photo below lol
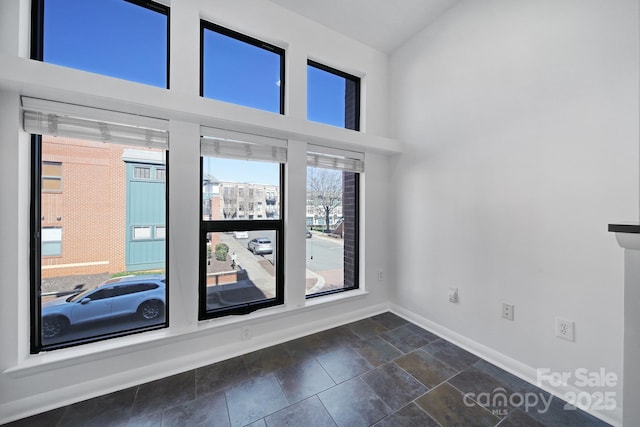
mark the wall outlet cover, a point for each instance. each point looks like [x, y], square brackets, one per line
[565, 329]
[507, 311]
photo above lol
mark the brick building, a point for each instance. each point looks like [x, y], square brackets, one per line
[103, 207]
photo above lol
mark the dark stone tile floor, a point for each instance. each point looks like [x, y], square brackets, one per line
[382, 371]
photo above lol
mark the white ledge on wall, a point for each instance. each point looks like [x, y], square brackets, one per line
[628, 237]
[64, 84]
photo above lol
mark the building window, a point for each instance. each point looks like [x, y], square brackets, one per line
[123, 39]
[161, 174]
[161, 232]
[106, 218]
[241, 256]
[241, 70]
[51, 241]
[333, 180]
[140, 233]
[142, 172]
[51, 177]
[333, 97]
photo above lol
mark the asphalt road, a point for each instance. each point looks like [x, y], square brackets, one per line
[256, 234]
[324, 253]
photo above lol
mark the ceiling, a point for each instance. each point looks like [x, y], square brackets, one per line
[381, 24]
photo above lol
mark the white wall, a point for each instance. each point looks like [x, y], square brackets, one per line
[519, 121]
[34, 383]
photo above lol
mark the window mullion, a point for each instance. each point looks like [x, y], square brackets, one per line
[295, 251]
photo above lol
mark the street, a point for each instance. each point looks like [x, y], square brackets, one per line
[324, 260]
[324, 264]
[324, 253]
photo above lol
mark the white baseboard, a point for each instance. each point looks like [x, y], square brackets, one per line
[78, 392]
[513, 366]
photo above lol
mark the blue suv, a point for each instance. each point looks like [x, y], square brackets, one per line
[143, 296]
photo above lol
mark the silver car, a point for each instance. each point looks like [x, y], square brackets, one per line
[260, 246]
[143, 296]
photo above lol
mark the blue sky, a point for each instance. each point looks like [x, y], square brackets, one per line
[238, 72]
[242, 170]
[111, 37]
[123, 40]
[325, 97]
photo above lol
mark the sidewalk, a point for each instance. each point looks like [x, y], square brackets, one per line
[315, 282]
[248, 261]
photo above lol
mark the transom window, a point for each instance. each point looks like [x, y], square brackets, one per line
[127, 39]
[333, 97]
[240, 69]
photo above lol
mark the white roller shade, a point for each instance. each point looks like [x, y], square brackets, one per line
[216, 142]
[332, 158]
[45, 117]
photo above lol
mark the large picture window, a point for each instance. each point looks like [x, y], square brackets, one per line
[240, 69]
[98, 270]
[332, 236]
[241, 233]
[127, 39]
[333, 96]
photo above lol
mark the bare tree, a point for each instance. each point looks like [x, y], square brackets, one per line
[324, 187]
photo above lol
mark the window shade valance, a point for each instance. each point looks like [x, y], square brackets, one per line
[216, 142]
[75, 121]
[332, 158]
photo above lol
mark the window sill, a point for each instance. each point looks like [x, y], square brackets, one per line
[339, 296]
[279, 311]
[35, 364]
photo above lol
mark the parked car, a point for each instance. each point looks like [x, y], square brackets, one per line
[260, 246]
[143, 296]
[309, 235]
[241, 234]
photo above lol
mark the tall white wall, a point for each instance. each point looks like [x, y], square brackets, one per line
[519, 121]
[34, 383]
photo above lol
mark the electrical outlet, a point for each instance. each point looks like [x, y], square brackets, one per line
[565, 329]
[380, 275]
[245, 333]
[453, 294]
[507, 311]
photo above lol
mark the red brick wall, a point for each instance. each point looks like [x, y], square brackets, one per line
[91, 207]
[215, 214]
[350, 224]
